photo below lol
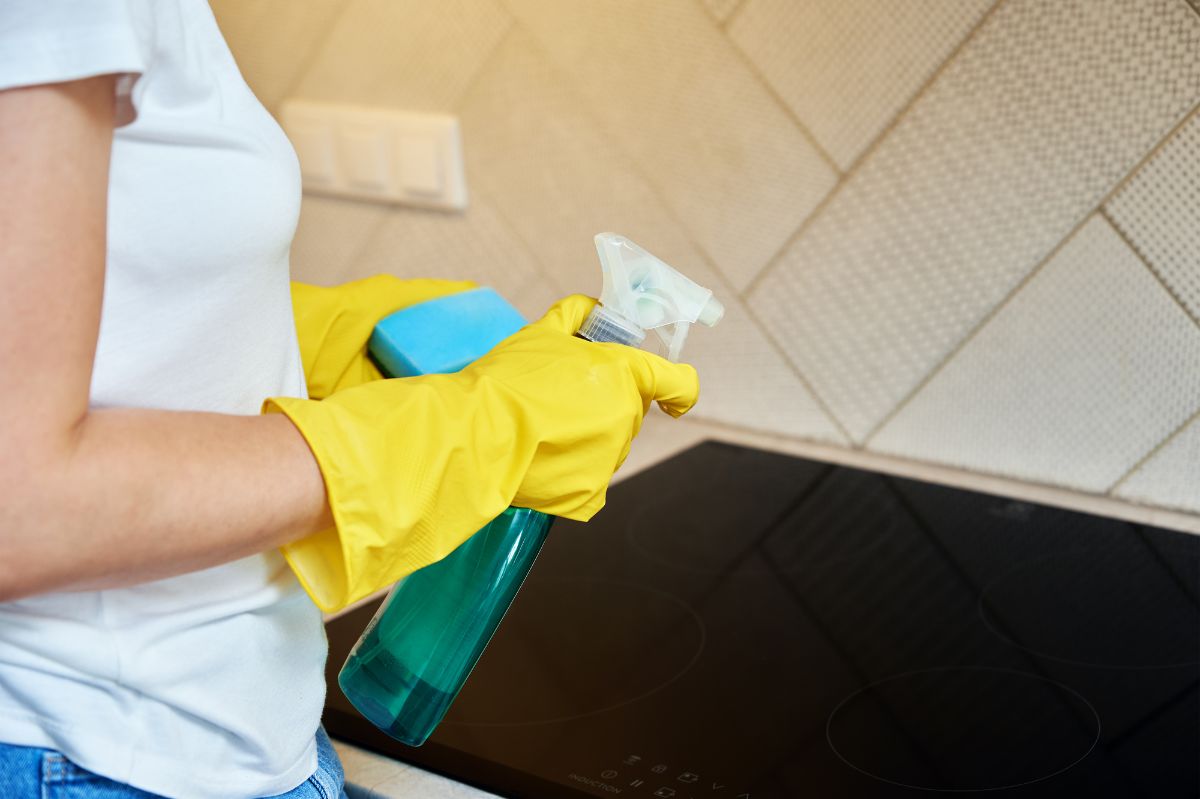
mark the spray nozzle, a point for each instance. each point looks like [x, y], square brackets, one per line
[642, 293]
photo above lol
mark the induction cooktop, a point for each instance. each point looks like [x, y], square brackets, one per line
[739, 624]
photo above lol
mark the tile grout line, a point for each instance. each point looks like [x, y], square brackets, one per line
[825, 408]
[388, 210]
[855, 165]
[1120, 232]
[802, 228]
[481, 70]
[873, 145]
[822, 405]
[482, 196]
[1095, 211]
[669, 212]
[660, 196]
[783, 105]
[1157, 448]
[1158, 147]
[737, 9]
[1137, 251]
[974, 332]
[534, 258]
[345, 8]
[541, 269]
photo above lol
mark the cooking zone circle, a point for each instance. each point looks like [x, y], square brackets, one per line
[624, 641]
[963, 729]
[1121, 608]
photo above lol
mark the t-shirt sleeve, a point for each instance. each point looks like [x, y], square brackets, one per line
[52, 41]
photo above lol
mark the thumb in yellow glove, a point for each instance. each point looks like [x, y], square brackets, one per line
[414, 466]
[334, 325]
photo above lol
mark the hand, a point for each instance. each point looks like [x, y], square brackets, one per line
[586, 401]
[414, 466]
[334, 325]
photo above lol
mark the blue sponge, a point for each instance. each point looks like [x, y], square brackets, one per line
[443, 335]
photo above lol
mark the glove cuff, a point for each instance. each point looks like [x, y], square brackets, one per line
[400, 498]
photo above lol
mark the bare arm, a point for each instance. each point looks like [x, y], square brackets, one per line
[111, 497]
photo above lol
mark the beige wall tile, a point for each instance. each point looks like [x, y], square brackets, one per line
[1159, 211]
[328, 237]
[1039, 117]
[477, 245]
[643, 118]
[412, 54]
[846, 67]
[721, 10]
[273, 40]
[534, 149]
[1171, 477]
[1070, 384]
[664, 82]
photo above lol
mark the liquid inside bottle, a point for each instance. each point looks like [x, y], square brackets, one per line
[416, 654]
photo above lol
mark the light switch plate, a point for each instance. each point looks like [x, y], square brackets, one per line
[377, 154]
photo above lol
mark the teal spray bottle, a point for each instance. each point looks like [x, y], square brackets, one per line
[416, 653]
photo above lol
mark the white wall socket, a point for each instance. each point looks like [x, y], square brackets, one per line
[377, 153]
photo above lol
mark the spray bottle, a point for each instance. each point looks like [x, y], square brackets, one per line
[416, 653]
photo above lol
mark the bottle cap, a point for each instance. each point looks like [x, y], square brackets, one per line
[643, 293]
[605, 325]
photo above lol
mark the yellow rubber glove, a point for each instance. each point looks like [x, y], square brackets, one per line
[414, 466]
[334, 325]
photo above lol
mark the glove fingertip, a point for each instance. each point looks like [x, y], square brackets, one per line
[676, 386]
[674, 410]
[568, 314]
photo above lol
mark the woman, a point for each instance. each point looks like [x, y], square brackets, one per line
[153, 639]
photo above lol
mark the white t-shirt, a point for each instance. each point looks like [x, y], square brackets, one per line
[208, 685]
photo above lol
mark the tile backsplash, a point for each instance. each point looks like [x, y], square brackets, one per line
[963, 232]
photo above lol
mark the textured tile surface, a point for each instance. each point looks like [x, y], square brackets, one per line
[1042, 113]
[535, 151]
[655, 125]
[1080, 375]
[329, 235]
[273, 40]
[668, 86]
[418, 55]
[1171, 477]
[1159, 210]
[846, 67]
[475, 246]
[722, 9]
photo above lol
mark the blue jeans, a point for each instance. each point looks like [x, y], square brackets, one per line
[27, 772]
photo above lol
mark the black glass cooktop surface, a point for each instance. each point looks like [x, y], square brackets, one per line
[737, 623]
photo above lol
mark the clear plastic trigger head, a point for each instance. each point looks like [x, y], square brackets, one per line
[650, 295]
